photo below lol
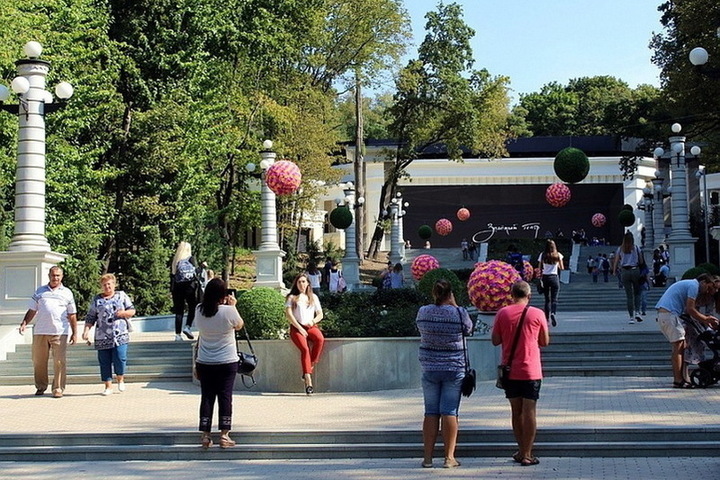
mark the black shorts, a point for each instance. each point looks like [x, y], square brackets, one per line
[529, 389]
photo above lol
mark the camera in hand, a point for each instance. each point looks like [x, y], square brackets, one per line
[230, 291]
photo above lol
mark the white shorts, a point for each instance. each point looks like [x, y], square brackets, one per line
[671, 326]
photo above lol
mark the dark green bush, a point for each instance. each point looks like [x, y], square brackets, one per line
[384, 313]
[263, 310]
[425, 232]
[710, 268]
[341, 218]
[571, 165]
[426, 283]
[693, 273]
[626, 218]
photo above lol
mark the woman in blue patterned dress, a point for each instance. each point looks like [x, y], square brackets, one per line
[110, 312]
[442, 327]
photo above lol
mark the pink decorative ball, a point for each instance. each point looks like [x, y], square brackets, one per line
[283, 177]
[463, 214]
[557, 194]
[423, 264]
[528, 272]
[598, 220]
[443, 227]
[490, 284]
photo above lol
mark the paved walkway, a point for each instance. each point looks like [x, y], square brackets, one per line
[565, 402]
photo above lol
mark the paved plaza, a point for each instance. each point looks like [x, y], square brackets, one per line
[566, 402]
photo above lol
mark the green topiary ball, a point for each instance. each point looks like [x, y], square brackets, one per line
[710, 268]
[626, 218]
[425, 232]
[263, 310]
[571, 165]
[426, 283]
[627, 207]
[341, 218]
[693, 273]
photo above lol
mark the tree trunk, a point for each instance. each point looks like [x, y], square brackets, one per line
[360, 232]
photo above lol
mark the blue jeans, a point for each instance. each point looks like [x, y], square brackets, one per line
[112, 357]
[441, 391]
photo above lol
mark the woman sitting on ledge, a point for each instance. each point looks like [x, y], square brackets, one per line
[303, 311]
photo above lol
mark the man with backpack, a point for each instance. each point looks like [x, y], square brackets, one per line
[515, 258]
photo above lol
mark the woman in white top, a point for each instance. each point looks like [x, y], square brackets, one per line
[550, 263]
[334, 279]
[315, 277]
[217, 359]
[303, 311]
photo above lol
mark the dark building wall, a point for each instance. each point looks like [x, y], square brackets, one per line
[521, 210]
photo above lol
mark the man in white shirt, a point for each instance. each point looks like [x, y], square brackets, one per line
[53, 307]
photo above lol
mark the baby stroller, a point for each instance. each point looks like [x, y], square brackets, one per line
[708, 371]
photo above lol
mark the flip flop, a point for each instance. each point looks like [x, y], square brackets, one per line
[517, 458]
[683, 384]
[528, 461]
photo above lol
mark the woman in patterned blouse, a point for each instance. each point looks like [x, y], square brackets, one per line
[110, 312]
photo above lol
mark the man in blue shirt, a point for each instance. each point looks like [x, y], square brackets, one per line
[680, 298]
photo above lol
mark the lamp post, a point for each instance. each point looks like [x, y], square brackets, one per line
[351, 261]
[695, 150]
[699, 57]
[401, 235]
[268, 257]
[648, 207]
[658, 207]
[394, 255]
[29, 257]
[680, 241]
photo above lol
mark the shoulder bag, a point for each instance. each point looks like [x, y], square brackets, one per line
[503, 371]
[469, 381]
[247, 361]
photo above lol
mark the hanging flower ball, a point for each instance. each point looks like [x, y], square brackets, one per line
[557, 194]
[626, 218]
[341, 218]
[463, 214]
[490, 284]
[425, 232]
[443, 227]
[528, 272]
[571, 165]
[283, 177]
[423, 264]
[598, 220]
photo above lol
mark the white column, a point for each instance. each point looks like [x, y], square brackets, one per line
[659, 212]
[394, 234]
[29, 234]
[681, 243]
[649, 227]
[351, 261]
[268, 257]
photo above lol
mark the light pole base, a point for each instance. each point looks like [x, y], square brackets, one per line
[21, 273]
[268, 268]
[351, 272]
[682, 255]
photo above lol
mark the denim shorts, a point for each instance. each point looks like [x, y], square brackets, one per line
[441, 391]
[529, 389]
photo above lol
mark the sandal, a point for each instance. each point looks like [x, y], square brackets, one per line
[528, 461]
[517, 458]
[683, 384]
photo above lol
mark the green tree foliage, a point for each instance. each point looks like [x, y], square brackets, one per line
[693, 97]
[442, 100]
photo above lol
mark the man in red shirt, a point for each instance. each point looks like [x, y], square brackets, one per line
[523, 387]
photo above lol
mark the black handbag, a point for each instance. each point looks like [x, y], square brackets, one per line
[469, 381]
[247, 362]
[503, 371]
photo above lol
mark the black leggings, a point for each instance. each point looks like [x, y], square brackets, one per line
[183, 293]
[216, 381]
[552, 286]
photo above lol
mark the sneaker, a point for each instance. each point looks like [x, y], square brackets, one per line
[188, 333]
[632, 321]
[552, 320]
[121, 387]
[107, 391]
[638, 318]
[178, 338]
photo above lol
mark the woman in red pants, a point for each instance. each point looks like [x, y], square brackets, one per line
[303, 311]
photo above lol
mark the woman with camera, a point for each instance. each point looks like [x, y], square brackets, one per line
[303, 312]
[217, 359]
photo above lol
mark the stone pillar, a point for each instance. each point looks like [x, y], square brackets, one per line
[659, 211]
[394, 234]
[268, 256]
[680, 242]
[649, 227]
[351, 261]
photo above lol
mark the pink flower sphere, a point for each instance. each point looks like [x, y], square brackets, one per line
[463, 214]
[423, 264]
[528, 272]
[443, 227]
[598, 220]
[557, 194]
[283, 177]
[490, 284]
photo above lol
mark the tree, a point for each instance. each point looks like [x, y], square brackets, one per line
[441, 100]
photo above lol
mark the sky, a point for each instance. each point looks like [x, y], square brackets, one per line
[535, 42]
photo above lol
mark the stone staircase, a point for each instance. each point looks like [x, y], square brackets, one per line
[183, 446]
[148, 360]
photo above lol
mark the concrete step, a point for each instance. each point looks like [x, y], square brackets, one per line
[617, 370]
[94, 377]
[559, 442]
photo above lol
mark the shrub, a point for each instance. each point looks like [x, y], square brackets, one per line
[710, 268]
[571, 165]
[693, 273]
[263, 310]
[426, 283]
